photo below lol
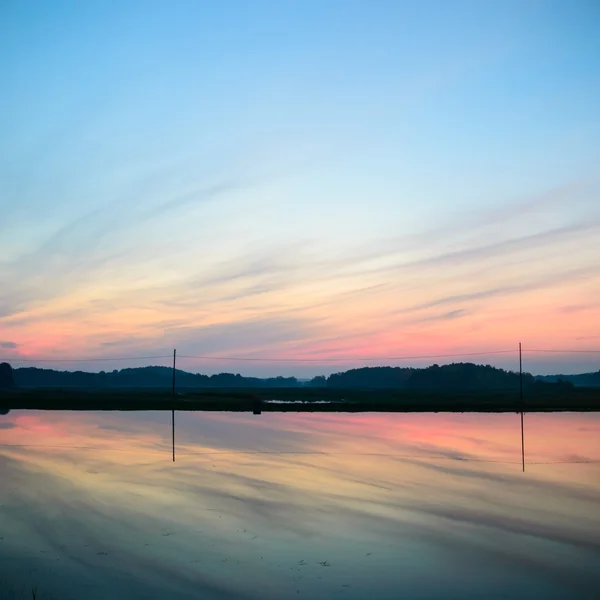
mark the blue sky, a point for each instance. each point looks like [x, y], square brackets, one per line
[299, 178]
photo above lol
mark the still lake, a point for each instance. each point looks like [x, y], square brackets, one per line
[276, 506]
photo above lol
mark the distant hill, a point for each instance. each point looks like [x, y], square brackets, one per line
[467, 376]
[456, 376]
[371, 377]
[583, 380]
[151, 377]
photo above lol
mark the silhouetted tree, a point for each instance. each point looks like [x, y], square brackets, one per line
[466, 376]
[6, 376]
[371, 377]
[141, 377]
[456, 376]
[583, 379]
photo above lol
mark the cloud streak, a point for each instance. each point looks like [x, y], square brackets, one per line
[537, 284]
[283, 295]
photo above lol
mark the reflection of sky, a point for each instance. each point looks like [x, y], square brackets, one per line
[418, 506]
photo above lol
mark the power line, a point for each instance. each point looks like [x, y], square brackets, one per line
[562, 351]
[348, 358]
[19, 359]
[308, 360]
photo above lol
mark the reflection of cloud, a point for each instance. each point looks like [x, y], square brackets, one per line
[510, 524]
[345, 473]
[111, 427]
[94, 528]
[254, 500]
[239, 432]
[505, 480]
[457, 539]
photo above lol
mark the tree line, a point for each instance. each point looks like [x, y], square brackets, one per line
[455, 376]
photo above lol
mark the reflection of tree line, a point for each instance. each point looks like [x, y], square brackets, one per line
[446, 377]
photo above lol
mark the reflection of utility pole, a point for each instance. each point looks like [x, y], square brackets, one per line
[521, 403]
[173, 409]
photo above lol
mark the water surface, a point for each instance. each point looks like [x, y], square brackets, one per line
[277, 506]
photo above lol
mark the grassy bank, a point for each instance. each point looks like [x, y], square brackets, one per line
[304, 400]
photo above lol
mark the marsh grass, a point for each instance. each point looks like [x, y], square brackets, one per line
[9, 591]
[306, 400]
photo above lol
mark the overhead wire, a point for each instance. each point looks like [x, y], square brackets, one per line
[561, 351]
[347, 358]
[298, 359]
[19, 359]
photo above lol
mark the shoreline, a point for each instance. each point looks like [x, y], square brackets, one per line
[303, 400]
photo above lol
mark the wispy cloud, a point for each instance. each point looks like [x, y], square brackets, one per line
[217, 294]
[535, 284]
[90, 246]
[192, 197]
[247, 336]
[460, 229]
[577, 308]
[448, 316]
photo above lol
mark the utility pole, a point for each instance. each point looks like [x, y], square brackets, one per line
[520, 374]
[174, 358]
[521, 405]
[173, 409]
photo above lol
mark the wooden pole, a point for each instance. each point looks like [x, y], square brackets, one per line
[173, 410]
[174, 358]
[521, 404]
[520, 374]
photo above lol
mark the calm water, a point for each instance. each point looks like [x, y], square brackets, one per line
[282, 506]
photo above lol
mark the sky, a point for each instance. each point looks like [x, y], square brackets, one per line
[300, 180]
